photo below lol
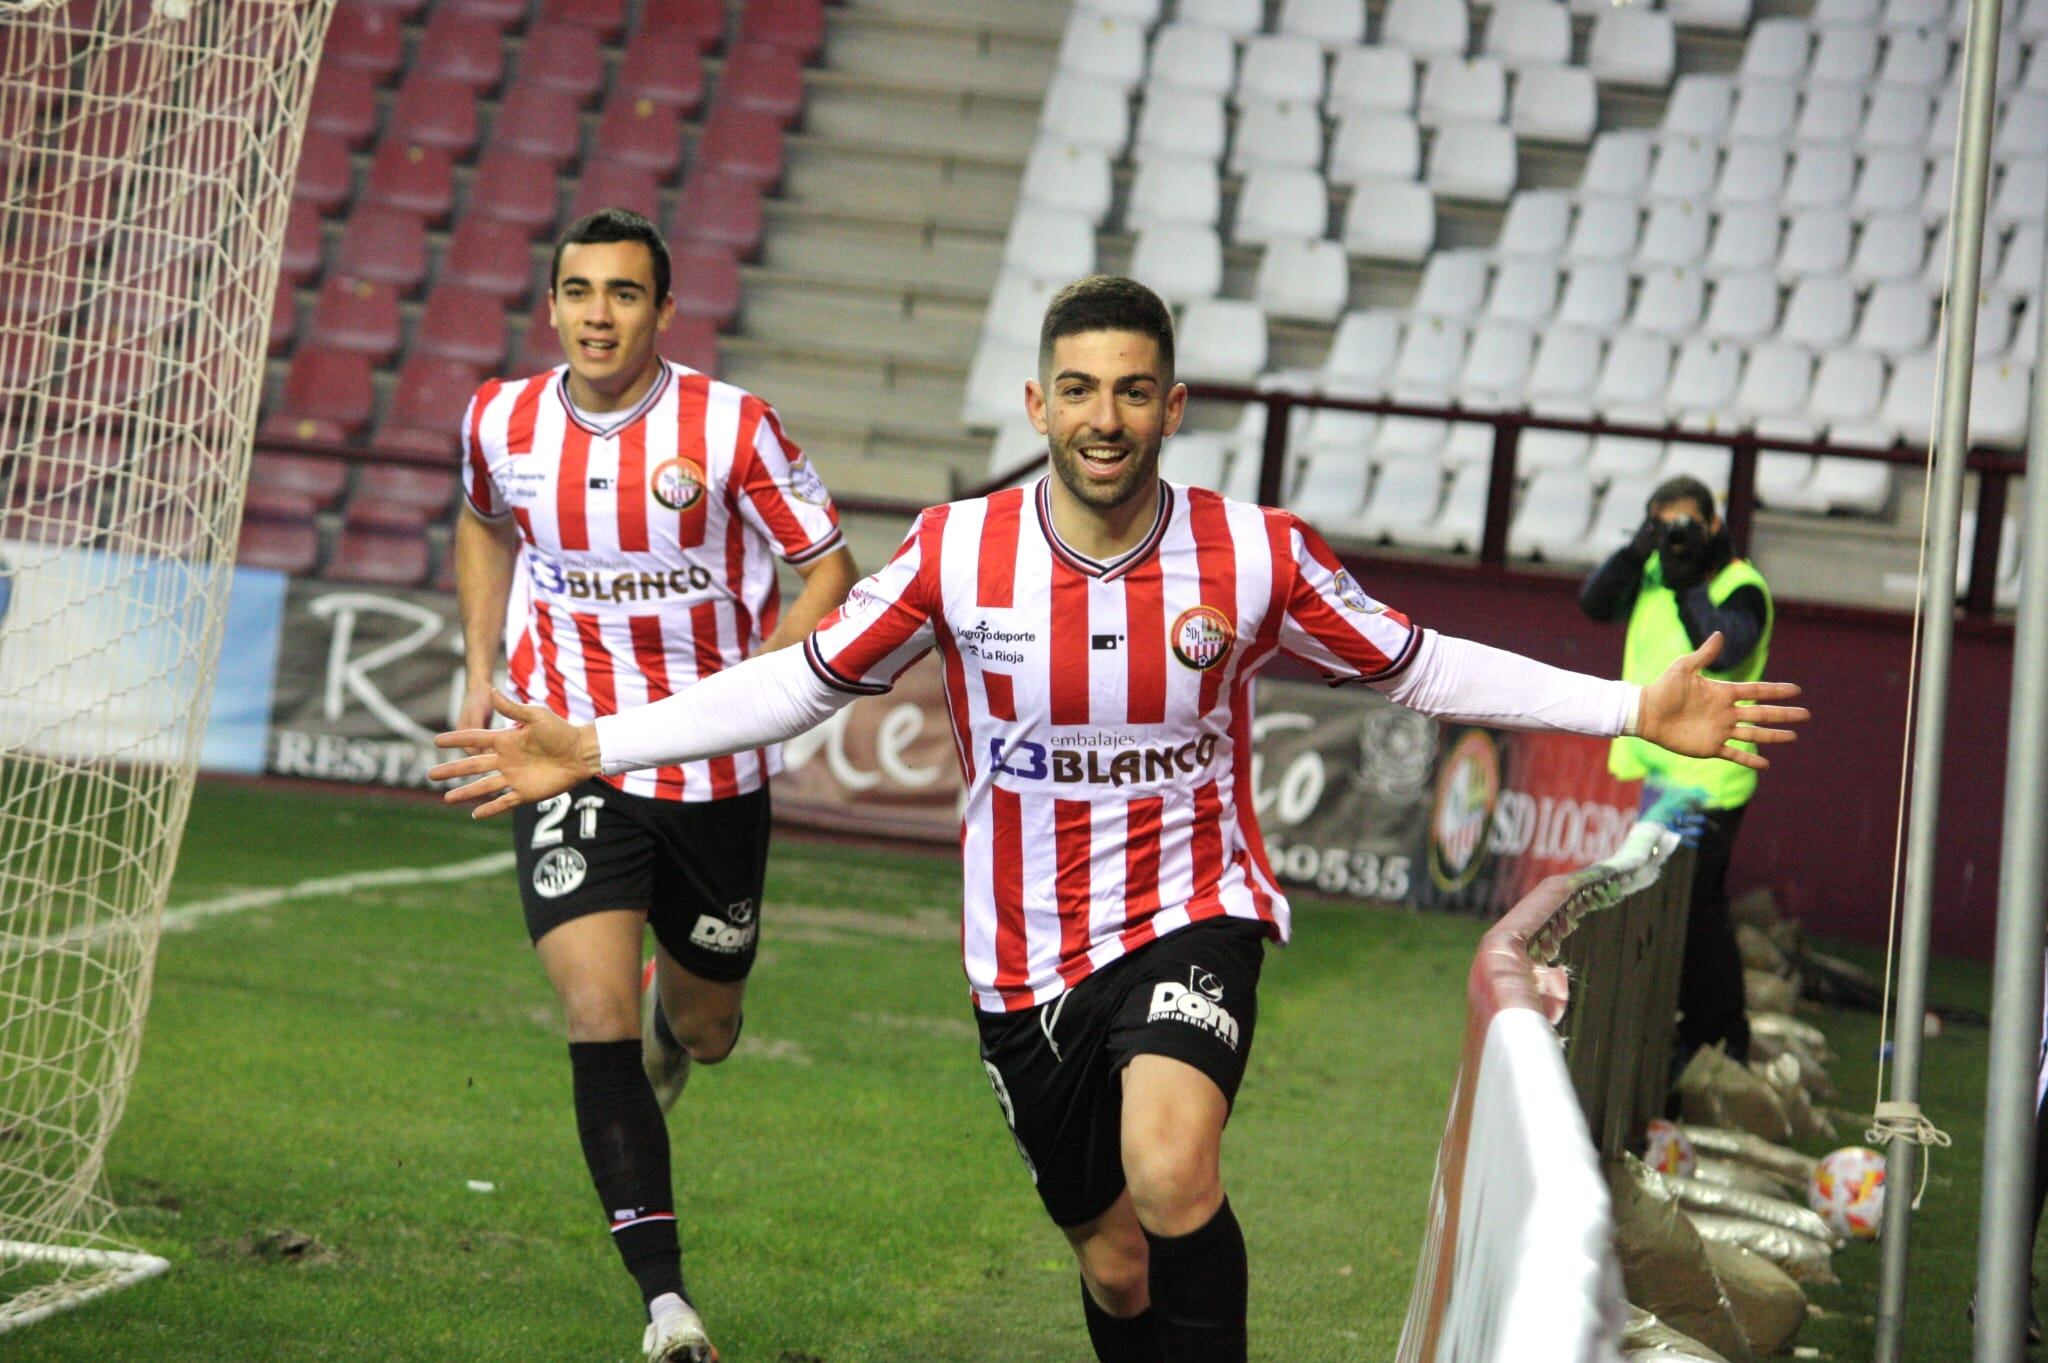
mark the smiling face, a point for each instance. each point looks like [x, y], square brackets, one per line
[1105, 404]
[604, 309]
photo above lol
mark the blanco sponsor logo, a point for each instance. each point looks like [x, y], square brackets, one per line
[1198, 1002]
[716, 935]
[561, 870]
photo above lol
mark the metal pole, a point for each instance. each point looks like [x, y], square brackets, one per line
[1959, 337]
[2005, 1227]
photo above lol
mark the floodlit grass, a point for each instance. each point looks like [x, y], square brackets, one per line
[322, 1080]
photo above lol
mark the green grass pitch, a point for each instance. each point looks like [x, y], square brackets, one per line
[324, 1078]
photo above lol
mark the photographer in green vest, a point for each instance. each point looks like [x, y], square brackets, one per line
[1676, 583]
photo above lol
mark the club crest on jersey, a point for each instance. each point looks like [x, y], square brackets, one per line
[806, 486]
[559, 872]
[677, 484]
[1201, 637]
[1353, 596]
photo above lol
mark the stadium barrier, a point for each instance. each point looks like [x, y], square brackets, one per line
[1518, 1259]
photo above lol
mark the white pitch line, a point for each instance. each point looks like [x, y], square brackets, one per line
[185, 916]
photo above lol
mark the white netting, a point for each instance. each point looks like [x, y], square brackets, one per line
[146, 158]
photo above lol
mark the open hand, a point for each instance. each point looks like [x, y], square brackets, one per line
[1690, 714]
[541, 755]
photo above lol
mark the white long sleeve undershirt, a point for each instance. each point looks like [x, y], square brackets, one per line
[777, 696]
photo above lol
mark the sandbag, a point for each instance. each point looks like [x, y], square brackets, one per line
[1806, 1122]
[1774, 993]
[1769, 1306]
[1787, 1166]
[1664, 1262]
[1759, 952]
[1698, 1195]
[1813, 1075]
[1791, 1028]
[1755, 908]
[1733, 1173]
[1645, 1339]
[1717, 1091]
[1805, 1258]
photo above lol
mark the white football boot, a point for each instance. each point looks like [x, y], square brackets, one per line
[666, 1062]
[676, 1335]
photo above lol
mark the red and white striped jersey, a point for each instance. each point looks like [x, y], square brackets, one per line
[1102, 713]
[649, 548]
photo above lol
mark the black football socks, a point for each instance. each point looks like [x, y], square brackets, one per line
[625, 1144]
[1119, 1339]
[1199, 1286]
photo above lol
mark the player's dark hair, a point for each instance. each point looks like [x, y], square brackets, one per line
[1106, 302]
[614, 224]
[1684, 488]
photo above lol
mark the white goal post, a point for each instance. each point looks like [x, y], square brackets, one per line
[147, 152]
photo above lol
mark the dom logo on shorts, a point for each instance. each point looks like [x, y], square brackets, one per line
[715, 934]
[558, 872]
[677, 484]
[1199, 1002]
[1201, 637]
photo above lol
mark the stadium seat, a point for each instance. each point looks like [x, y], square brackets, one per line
[721, 209]
[2022, 193]
[540, 345]
[1462, 90]
[1239, 18]
[640, 132]
[1776, 51]
[2022, 126]
[1277, 134]
[798, 27]
[1728, 15]
[1551, 522]
[427, 403]
[1635, 373]
[669, 70]
[1890, 181]
[701, 23]
[1406, 497]
[1402, 438]
[1497, 363]
[1897, 116]
[1371, 79]
[1458, 525]
[1820, 176]
[1683, 169]
[1432, 353]
[707, 282]
[1629, 462]
[1596, 295]
[319, 482]
[1472, 161]
[327, 396]
[1776, 381]
[1144, 12]
[1841, 55]
[1175, 122]
[606, 19]
[1816, 242]
[505, 15]
[1277, 203]
[1565, 367]
[386, 246]
[616, 184]
[1173, 189]
[1332, 23]
[375, 558]
[564, 58]
[1830, 114]
[1427, 28]
[1179, 261]
[300, 261]
[1744, 239]
[1752, 173]
[284, 325]
[365, 38]
[357, 315]
[2020, 265]
[1069, 176]
[1897, 319]
[1220, 340]
[539, 124]
[1329, 485]
[1303, 280]
[1700, 106]
[284, 546]
[692, 341]
[1604, 229]
[1101, 47]
[1453, 285]
[1847, 388]
[491, 256]
[1362, 352]
[995, 382]
[763, 79]
[325, 178]
[1915, 57]
[416, 180]
[1373, 145]
[516, 189]
[1281, 68]
[426, 492]
[1704, 376]
[1618, 165]
[456, 47]
[1197, 458]
[1890, 246]
[1051, 243]
[434, 111]
[344, 105]
[1674, 234]
[1913, 13]
[1669, 302]
[1535, 225]
[1632, 46]
[1528, 33]
[1555, 104]
[1765, 111]
[1390, 220]
[1820, 314]
[1189, 57]
[1016, 306]
[462, 324]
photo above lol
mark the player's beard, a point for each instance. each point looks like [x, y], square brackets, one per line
[1139, 470]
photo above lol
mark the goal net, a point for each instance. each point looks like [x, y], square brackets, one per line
[146, 160]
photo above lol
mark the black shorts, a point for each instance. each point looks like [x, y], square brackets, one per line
[695, 868]
[1057, 1069]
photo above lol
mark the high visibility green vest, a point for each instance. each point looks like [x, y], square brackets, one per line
[1656, 635]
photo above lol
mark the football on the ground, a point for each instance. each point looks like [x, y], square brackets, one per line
[1847, 1189]
[1669, 1150]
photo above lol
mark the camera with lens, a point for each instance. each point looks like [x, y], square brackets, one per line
[1685, 539]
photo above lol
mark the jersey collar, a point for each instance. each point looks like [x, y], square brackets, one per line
[622, 420]
[1105, 569]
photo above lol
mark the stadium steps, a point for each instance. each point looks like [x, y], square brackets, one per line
[908, 253]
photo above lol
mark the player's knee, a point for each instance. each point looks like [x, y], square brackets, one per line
[1117, 1275]
[595, 1013]
[1176, 1182]
[709, 1039]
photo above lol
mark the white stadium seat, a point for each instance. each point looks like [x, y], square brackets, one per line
[1684, 169]
[1303, 280]
[1082, 110]
[1821, 312]
[1845, 55]
[1554, 104]
[1281, 68]
[2019, 268]
[1618, 164]
[1897, 320]
[2022, 193]
[1699, 106]
[1891, 181]
[1745, 306]
[1820, 176]
[1189, 57]
[1277, 202]
[1994, 330]
[1333, 23]
[1704, 377]
[1198, 458]
[1635, 373]
[1144, 12]
[1745, 239]
[1523, 33]
[1174, 189]
[1462, 89]
[1405, 498]
[1914, 14]
[1409, 437]
[1708, 463]
[1918, 58]
[1374, 145]
[1999, 393]
[1432, 351]
[1241, 483]
[1908, 407]
[1945, 121]
[1016, 306]
[1524, 291]
[1834, 13]
[1831, 114]
[1729, 15]
[1277, 134]
[1239, 18]
[1622, 508]
[1362, 352]
[2032, 23]
[1549, 450]
[1551, 522]
[1427, 28]
[1050, 243]
[1595, 295]
[1891, 246]
[1453, 285]
[1567, 364]
[1897, 117]
[1390, 220]
[1753, 173]
[1016, 442]
[1536, 224]
[1674, 233]
[1776, 50]
[1775, 381]
[1847, 388]
[1463, 517]
[1067, 175]
[1632, 46]
[1604, 229]
[2022, 127]
[1177, 122]
[1381, 79]
[995, 381]
[1850, 484]
[1329, 486]
[1765, 110]
[1473, 161]
[1631, 462]
[1332, 430]
[1782, 481]
[1816, 242]
[1102, 47]
[1179, 261]
[1668, 302]
[1496, 370]
[1220, 340]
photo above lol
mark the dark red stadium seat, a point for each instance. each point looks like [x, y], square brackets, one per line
[565, 58]
[664, 68]
[443, 579]
[367, 37]
[320, 481]
[501, 14]
[795, 26]
[324, 386]
[404, 9]
[415, 440]
[515, 188]
[284, 318]
[345, 104]
[427, 404]
[303, 241]
[385, 245]
[640, 132]
[692, 341]
[722, 209]
[389, 515]
[742, 143]
[763, 79]
[605, 18]
[278, 502]
[541, 347]
[414, 179]
[539, 123]
[286, 546]
[491, 256]
[698, 22]
[358, 315]
[462, 324]
[325, 178]
[461, 48]
[707, 282]
[376, 559]
[430, 490]
[436, 112]
[610, 184]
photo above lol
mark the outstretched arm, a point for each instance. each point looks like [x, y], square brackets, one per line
[1689, 714]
